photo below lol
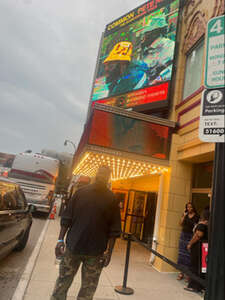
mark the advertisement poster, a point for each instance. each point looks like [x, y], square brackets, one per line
[130, 135]
[136, 57]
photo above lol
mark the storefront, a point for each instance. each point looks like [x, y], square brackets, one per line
[136, 147]
[191, 159]
[155, 169]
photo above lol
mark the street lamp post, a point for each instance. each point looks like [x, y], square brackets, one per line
[68, 141]
[74, 146]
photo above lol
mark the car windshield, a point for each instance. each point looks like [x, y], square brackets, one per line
[39, 176]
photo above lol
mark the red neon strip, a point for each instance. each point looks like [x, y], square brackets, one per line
[143, 96]
[184, 111]
[190, 122]
[189, 97]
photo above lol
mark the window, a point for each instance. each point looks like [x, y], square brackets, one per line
[21, 202]
[40, 176]
[9, 201]
[193, 72]
[202, 175]
[201, 185]
[200, 201]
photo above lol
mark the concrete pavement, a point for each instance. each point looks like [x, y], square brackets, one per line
[144, 279]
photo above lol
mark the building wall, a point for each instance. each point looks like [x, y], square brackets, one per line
[186, 149]
[186, 111]
[176, 192]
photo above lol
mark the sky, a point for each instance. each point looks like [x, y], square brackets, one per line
[48, 52]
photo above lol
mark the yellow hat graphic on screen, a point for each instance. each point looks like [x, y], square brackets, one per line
[121, 51]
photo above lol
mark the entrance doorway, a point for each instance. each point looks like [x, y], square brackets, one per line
[122, 200]
[202, 185]
[149, 221]
[138, 211]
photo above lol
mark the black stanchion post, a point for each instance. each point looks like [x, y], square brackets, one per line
[124, 289]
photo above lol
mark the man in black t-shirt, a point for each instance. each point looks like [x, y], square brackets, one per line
[92, 223]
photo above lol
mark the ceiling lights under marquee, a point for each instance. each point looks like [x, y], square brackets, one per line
[122, 168]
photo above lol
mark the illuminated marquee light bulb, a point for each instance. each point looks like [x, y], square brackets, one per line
[117, 172]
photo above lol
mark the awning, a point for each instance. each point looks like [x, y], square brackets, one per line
[132, 144]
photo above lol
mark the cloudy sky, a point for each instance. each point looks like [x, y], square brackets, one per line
[48, 52]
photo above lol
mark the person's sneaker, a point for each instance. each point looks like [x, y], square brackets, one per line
[191, 290]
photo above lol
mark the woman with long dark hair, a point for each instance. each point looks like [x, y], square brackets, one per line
[188, 220]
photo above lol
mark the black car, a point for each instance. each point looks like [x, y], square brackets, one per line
[15, 217]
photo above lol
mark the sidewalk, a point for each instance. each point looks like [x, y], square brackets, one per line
[146, 282]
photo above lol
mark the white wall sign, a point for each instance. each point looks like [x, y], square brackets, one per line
[212, 122]
[215, 53]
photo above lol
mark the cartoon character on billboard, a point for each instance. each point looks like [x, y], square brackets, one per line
[157, 50]
[122, 74]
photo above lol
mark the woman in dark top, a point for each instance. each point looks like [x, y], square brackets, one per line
[188, 220]
[200, 235]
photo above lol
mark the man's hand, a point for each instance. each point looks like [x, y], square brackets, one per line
[106, 258]
[59, 249]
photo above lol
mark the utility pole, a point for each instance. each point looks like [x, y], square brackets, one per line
[212, 129]
[215, 268]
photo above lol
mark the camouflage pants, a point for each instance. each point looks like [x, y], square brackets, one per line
[90, 273]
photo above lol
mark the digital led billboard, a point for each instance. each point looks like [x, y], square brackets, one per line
[129, 135]
[136, 57]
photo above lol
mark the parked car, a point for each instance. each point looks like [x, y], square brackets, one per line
[15, 217]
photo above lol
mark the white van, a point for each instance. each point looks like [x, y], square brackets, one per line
[36, 175]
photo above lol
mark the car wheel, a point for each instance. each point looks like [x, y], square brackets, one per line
[23, 241]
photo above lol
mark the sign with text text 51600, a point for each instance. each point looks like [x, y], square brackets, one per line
[212, 122]
[215, 55]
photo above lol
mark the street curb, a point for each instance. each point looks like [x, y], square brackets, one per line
[25, 278]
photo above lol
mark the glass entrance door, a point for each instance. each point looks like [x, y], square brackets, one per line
[122, 199]
[137, 210]
[138, 214]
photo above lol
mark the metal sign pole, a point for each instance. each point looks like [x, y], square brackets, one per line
[215, 270]
[212, 129]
